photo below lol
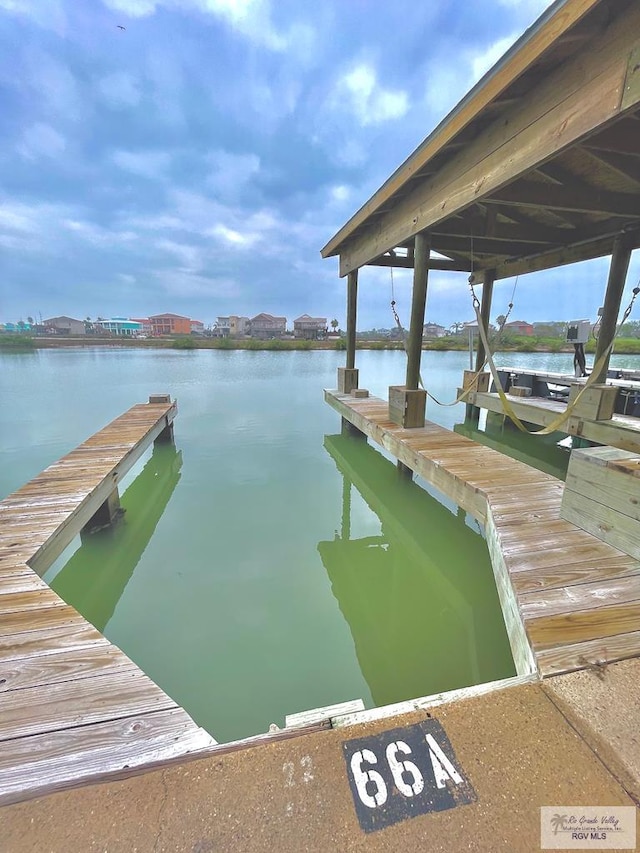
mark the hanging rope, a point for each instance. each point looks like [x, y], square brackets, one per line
[461, 398]
[557, 422]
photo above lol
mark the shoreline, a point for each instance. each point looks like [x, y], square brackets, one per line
[626, 346]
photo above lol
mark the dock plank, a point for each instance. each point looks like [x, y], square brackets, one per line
[68, 704]
[62, 665]
[57, 760]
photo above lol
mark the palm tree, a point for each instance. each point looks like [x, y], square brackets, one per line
[334, 324]
[557, 822]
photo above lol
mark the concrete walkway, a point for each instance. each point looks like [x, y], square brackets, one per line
[572, 740]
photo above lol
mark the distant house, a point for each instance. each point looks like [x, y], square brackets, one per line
[232, 326]
[120, 326]
[197, 327]
[169, 324]
[65, 326]
[519, 327]
[266, 326]
[310, 328]
[433, 330]
[145, 325]
[20, 326]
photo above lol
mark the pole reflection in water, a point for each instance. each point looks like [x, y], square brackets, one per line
[95, 577]
[420, 598]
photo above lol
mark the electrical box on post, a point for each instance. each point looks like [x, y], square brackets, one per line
[578, 331]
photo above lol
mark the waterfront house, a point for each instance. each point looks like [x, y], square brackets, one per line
[232, 326]
[433, 330]
[264, 326]
[120, 327]
[169, 324]
[65, 326]
[145, 325]
[519, 327]
[310, 328]
[197, 327]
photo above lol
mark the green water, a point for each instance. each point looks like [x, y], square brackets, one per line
[265, 565]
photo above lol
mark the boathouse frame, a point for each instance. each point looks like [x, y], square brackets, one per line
[537, 167]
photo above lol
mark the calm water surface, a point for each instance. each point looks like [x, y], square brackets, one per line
[265, 564]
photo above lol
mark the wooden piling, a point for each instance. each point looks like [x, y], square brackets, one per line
[620, 258]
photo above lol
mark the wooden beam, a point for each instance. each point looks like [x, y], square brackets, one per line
[556, 197]
[402, 262]
[352, 303]
[620, 258]
[571, 103]
[622, 137]
[531, 232]
[625, 165]
[418, 303]
[594, 248]
[539, 42]
[482, 245]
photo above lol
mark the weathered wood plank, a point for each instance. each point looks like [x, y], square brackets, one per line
[28, 600]
[572, 573]
[44, 763]
[65, 705]
[607, 621]
[50, 639]
[65, 664]
[569, 657]
[319, 715]
[610, 525]
[585, 596]
[36, 620]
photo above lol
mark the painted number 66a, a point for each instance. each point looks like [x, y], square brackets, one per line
[371, 787]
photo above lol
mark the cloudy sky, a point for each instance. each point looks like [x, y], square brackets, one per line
[197, 160]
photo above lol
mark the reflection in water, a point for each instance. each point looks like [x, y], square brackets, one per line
[95, 577]
[539, 451]
[420, 599]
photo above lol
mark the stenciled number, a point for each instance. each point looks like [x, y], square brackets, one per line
[363, 777]
[399, 768]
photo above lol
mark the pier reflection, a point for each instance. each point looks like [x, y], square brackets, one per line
[96, 575]
[419, 598]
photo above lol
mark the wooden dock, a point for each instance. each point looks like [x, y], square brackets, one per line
[621, 431]
[569, 600]
[73, 707]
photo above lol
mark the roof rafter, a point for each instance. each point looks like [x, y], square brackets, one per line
[555, 197]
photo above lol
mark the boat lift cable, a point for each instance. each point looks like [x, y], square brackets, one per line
[557, 422]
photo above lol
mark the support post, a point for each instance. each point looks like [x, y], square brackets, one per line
[489, 277]
[485, 313]
[166, 436]
[352, 300]
[105, 516]
[613, 297]
[410, 401]
[418, 303]
[348, 375]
